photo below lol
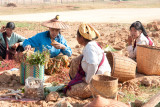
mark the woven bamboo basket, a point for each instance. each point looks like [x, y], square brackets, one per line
[105, 86]
[27, 70]
[24, 74]
[148, 60]
[122, 67]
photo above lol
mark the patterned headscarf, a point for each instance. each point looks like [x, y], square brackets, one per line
[88, 32]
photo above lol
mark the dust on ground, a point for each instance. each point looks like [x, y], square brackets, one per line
[111, 34]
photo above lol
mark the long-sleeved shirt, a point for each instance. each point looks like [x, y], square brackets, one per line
[15, 38]
[42, 41]
[141, 40]
[92, 56]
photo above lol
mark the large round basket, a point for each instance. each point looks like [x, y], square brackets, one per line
[148, 60]
[122, 67]
[105, 86]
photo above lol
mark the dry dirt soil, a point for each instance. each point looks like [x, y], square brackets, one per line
[111, 34]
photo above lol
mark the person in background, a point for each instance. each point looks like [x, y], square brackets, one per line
[51, 39]
[92, 61]
[139, 36]
[10, 42]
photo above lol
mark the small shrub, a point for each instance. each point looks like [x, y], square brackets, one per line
[11, 5]
[158, 105]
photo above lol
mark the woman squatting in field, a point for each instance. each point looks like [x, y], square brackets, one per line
[92, 61]
[139, 36]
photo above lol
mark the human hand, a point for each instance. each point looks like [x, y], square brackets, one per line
[15, 46]
[130, 39]
[84, 79]
[2, 29]
[28, 47]
[58, 45]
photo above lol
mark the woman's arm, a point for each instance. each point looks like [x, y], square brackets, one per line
[131, 52]
[33, 41]
[90, 61]
[20, 39]
[91, 70]
[67, 50]
[2, 29]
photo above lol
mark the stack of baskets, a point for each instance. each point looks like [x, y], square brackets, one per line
[148, 60]
[105, 86]
[123, 67]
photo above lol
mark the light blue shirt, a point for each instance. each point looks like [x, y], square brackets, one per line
[42, 40]
[15, 38]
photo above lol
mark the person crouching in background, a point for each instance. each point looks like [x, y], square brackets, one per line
[139, 36]
[10, 42]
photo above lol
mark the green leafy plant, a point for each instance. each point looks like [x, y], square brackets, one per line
[38, 58]
[109, 48]
[158, 105]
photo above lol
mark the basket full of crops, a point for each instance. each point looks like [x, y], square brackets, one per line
[104, 85]
[122, 67]
[57, 64]
[32, 64]
[148, 58]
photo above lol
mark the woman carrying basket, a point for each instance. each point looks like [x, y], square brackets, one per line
[139, 36]
[92, 61]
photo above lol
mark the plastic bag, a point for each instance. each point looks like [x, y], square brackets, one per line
[47, 90]
[34, 88]
[54, 88]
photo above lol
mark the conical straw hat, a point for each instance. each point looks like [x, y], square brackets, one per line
[55, 23]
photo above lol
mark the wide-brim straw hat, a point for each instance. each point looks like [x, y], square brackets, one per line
[55, 23]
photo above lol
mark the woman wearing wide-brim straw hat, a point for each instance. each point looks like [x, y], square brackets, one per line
[51, 39]
[55, 23]
[92, 61]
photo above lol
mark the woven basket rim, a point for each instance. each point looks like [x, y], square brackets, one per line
[121, 58]
[130, 60]
[113, 78]
[150, 47]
